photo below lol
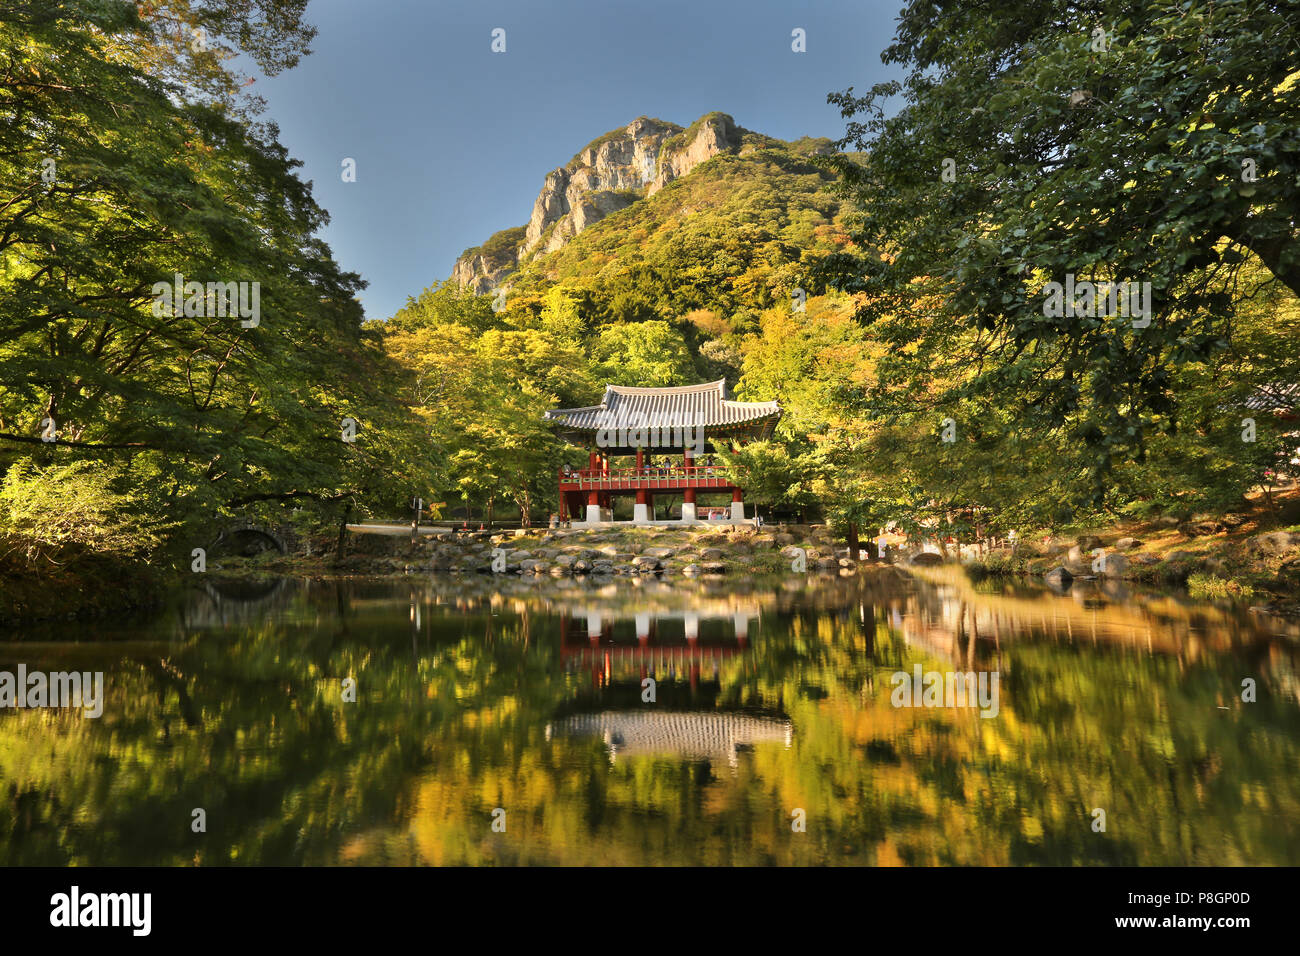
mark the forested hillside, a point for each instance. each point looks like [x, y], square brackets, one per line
[673, 289]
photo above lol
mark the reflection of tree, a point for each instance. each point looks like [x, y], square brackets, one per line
[456, 691]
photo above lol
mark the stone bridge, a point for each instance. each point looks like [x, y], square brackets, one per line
[250, 538]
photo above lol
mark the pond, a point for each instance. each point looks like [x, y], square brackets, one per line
[792, 721]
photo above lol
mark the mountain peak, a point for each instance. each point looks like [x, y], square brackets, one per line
[609, 173]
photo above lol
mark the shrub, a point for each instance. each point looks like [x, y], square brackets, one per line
[61, 512]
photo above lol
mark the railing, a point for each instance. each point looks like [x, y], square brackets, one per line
[667, 476]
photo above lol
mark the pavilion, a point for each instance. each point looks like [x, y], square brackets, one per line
[629, 423]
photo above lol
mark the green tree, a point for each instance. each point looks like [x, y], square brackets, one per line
[1149, 142]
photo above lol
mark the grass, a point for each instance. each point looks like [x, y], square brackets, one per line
[1211, 586]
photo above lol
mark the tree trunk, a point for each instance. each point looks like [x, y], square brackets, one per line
[343, 531]
[851, 537]
[1272, 253]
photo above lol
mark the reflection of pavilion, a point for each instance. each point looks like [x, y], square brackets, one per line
[667, 636]
[664, 641]
[710, 735]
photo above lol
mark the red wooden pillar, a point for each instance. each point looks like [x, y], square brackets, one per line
[688, 493]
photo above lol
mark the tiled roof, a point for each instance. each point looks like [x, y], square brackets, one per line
[692, 735]
[692, 406]
[1269, 397]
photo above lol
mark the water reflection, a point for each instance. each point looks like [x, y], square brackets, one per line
[638, 648]
[769, 696]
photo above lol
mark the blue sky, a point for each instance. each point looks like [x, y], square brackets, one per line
[452, 141]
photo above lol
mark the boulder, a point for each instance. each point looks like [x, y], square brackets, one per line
[1058, 576]
[713, 567]
[1127, 544]
[925, 559]
[644, 562]
[691, 570]
[1116, 566]
[1289, 573]
[1199, 529]
[657, 553]
[1273, 544]
[711, 554]
[1088, 542]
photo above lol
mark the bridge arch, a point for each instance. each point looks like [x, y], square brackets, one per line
[247, 539]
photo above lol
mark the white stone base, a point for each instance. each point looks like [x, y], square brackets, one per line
[737, 511]
[640, 514]
[593, 514]
[673, 523]
[688, 511]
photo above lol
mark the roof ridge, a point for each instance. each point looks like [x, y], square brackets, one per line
[665, 389]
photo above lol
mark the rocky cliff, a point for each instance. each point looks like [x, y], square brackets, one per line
[708, 136]
[609, 174]
[483, 267]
